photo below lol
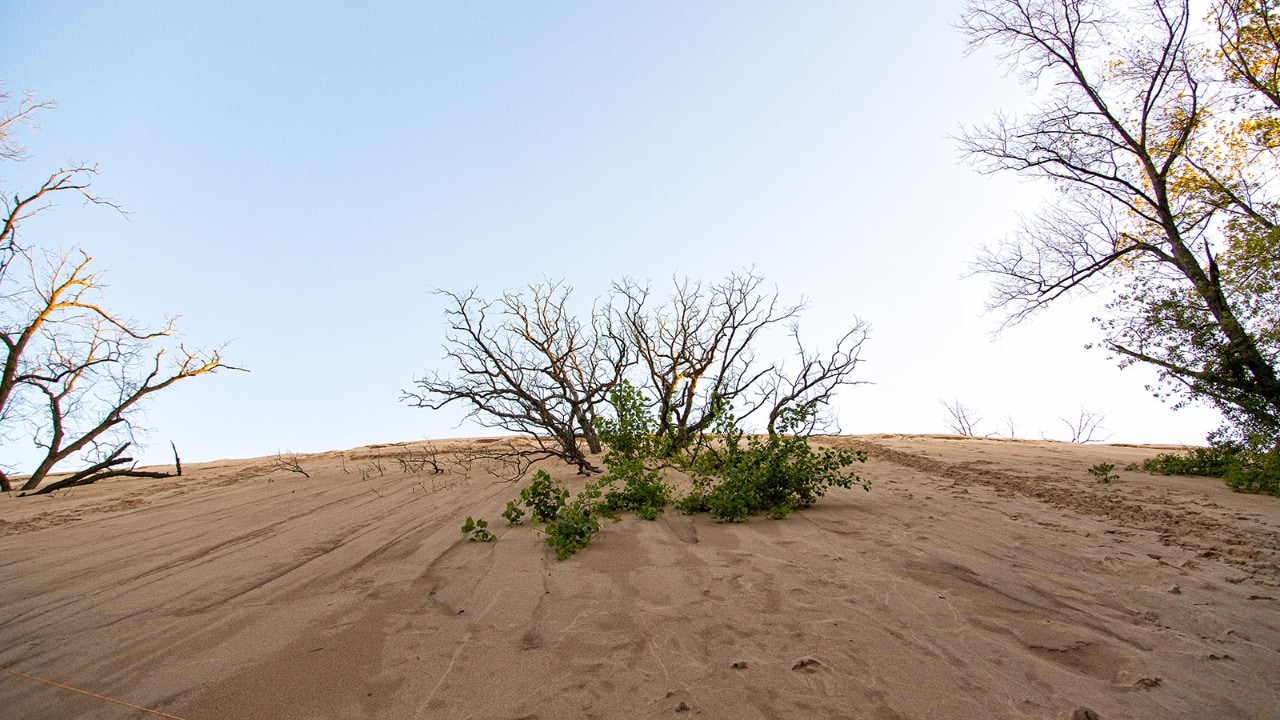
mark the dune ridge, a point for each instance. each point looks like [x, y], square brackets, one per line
[978, 578]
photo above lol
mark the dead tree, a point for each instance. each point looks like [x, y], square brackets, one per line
[961, 420]
[813, 382]
[696, 354]
[1085, 427]
[74, 373]
[289, 463]
[528, 365]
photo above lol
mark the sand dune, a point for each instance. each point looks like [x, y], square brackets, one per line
[978, 579]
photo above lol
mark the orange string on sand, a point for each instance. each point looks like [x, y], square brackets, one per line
[90, 694]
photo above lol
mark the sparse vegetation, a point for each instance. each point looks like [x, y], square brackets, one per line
[478, 530]
[527, 363]
[514, 514]
[288, 463]
[1243, 469]
[1104, 472]
[735, 475]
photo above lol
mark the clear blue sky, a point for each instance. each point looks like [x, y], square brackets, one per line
[301, 174]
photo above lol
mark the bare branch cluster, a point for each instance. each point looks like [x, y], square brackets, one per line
[1165, 156]
[74, 373]
[962, 420]
[527, 364]
[1086, 427]
[289, 463]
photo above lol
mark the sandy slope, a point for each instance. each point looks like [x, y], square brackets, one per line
[978, 579]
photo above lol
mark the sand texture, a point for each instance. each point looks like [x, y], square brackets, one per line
[978, 579]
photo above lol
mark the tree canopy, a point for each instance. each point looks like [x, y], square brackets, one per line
[1160, 131]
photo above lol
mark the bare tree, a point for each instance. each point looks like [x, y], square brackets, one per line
[74, 373]
[814, 381]
[527, 364]
[961, 420]
[696, 354]
[289, 463]
[1010, 426]
[1085, 427]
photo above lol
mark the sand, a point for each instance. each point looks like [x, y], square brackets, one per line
[978, 579]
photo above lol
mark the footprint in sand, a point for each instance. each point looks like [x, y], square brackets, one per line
[816, 676]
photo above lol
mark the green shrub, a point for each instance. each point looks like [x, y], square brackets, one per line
[734, 476]
[478, 529]
[514, 514]
[1211, 461]
[1256, 473]
[544, 497]
[775, 474]
[576, 523]
[1244, 470]
[632, 447]
[643, 492]
[1102, 471]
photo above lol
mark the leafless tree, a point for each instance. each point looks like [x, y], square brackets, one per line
[1085, 427]
[696, 353]
[1011, 428]
[813, 381]
[74, 373]
[289, 463]
[525, 363]
[961, 420]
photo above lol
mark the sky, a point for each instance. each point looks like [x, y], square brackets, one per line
[299, 176]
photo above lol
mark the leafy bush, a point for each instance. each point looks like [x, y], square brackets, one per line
[1102, 471]
[644, 492]
[1211, 461]
[577, 523]
[568, 525]
[544, 497]
[1244, 470]
[478, 529]
[632, 445]
[776, 474]
[1255, 473]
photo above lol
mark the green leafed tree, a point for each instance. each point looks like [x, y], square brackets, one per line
[1160, 131]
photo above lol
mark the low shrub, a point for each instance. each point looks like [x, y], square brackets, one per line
[643, 492]
[1244, 470]
[1211, 461]
[1255, 473]
[1103, 471]
[734, 475]
[578, 522]
[514, 514]
[478, 529]
[544, 497]
[773, 474]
